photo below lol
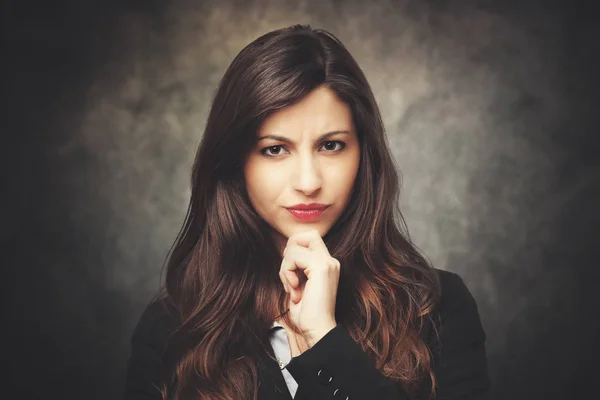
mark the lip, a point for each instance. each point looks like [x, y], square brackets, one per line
[311, 206]
[307, 215]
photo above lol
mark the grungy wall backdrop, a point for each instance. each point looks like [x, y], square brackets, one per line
[488, 106]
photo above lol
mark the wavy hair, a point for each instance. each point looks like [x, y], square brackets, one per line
[222, 271]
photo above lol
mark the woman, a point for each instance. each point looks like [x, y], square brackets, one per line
[293, 275]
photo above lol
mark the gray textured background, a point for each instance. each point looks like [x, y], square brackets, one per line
[489, 106]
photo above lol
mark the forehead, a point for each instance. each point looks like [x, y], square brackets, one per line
[319, 111]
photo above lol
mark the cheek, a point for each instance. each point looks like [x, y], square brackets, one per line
[262, 182]
[341, 177]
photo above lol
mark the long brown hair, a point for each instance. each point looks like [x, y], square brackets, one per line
[222, 271]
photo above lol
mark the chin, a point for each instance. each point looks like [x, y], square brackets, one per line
[300, 227]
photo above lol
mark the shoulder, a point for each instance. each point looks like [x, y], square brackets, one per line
[454, 292]
[460, 359]
[157, 321]
[148, 365]
[457, 316]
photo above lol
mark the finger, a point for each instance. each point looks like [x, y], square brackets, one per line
[297, 294]
[306, 260]
[311, 239]
[284, 282]
[290, 272]
[284, 269]
[302, 257]
[289, 278]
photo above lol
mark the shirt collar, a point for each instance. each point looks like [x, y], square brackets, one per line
[276, 325]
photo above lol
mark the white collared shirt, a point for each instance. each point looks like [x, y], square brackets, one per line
[281, 347]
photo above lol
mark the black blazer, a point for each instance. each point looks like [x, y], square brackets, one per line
[336, 367]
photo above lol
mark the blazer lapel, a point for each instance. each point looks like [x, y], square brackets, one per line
[272, 385]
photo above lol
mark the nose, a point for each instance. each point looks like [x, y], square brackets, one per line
[306, 176]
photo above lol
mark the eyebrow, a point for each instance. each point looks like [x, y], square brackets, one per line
[286, 140]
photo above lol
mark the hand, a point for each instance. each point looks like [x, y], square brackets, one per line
[311, 276]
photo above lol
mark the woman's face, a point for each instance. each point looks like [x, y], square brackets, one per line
[297, 167]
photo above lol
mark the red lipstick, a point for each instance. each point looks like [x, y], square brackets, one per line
[307, 212]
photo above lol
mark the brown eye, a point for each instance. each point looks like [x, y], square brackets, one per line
[330, 145]
[275, 149]
[275, 153]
